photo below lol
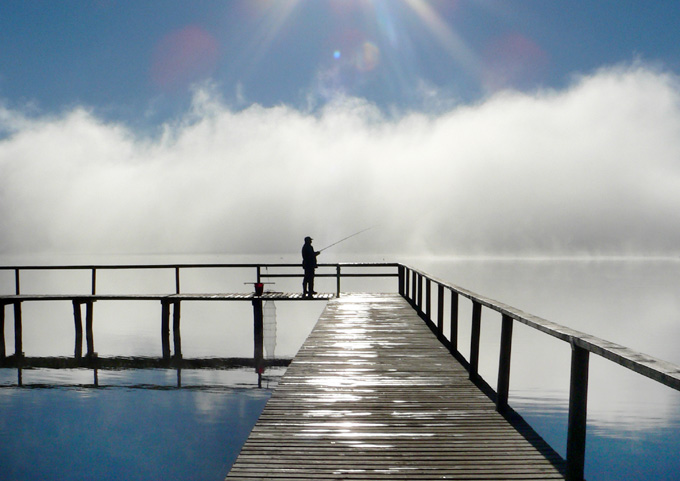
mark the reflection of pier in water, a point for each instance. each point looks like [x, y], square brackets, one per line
[342, 365]
[97, 364]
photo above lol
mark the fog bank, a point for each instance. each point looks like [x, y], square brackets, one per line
[593, 168]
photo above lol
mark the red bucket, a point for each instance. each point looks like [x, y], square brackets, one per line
[259, 288]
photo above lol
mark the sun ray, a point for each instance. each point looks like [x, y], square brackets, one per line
[450, 40]
[272, 17]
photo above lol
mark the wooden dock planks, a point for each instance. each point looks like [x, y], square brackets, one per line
[373, 395]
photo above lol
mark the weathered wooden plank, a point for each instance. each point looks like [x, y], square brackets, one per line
[372, 395]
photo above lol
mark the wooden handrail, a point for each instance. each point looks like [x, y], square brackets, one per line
[582, 344]
[659, 370]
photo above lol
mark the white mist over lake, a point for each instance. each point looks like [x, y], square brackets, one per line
[590, 168]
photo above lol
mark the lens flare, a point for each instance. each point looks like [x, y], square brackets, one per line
[182, 57]
[368, 57]
[513, 60]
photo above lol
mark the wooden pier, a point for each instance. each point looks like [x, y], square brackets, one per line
[380, 389]
[372, 394]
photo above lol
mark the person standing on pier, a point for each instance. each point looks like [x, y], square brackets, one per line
[309, 265]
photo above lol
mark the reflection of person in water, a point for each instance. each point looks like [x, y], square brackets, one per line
[309, 265]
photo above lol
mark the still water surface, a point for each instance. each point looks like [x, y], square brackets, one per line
[137, 425]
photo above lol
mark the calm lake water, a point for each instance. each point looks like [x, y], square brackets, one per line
[138, 425]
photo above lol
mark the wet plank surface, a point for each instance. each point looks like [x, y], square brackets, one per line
[373, 395]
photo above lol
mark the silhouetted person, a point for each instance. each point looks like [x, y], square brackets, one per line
[309, 265]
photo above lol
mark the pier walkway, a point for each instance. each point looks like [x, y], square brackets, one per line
[373, 394]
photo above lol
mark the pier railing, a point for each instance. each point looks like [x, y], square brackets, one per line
[170, 300]
[259, 270]
[422, 290]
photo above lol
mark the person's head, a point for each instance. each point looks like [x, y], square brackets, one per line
[308, 240]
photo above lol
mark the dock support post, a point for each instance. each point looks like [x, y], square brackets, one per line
[454, 321]
[258, 335]
[78, 321]
[165, 329]
[578, 409]
[18, 337]
[2, 332]
[177, 339]
[337, 277]
[503, 386]
[89, 331]
[474, 339]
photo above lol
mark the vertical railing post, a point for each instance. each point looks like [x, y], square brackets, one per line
[258, 335]
[503, 386]
[419, 299]
[258, 274]
[578, 409]
[440, 310]
[474, 339]
[337, 276]
[407, 283]
[177, 285]
[165, 328]
[400, 281]
[453, 334]
[78, 321]
[415, 289]
[428, 299]
[18, 342]
[414, 286]
[89, 319]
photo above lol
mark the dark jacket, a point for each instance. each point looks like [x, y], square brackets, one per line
[308, 257]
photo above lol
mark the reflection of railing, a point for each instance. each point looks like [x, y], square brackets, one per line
[419, 289]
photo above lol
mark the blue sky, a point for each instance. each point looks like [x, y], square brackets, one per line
[139, 60]
[468, 127]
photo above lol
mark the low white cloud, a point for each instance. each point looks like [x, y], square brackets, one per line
[591, 168]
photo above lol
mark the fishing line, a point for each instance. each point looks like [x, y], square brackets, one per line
[348, 237]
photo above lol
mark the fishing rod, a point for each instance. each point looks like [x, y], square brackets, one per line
[348, 237]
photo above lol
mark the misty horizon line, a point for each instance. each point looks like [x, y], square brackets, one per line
[286, 257]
